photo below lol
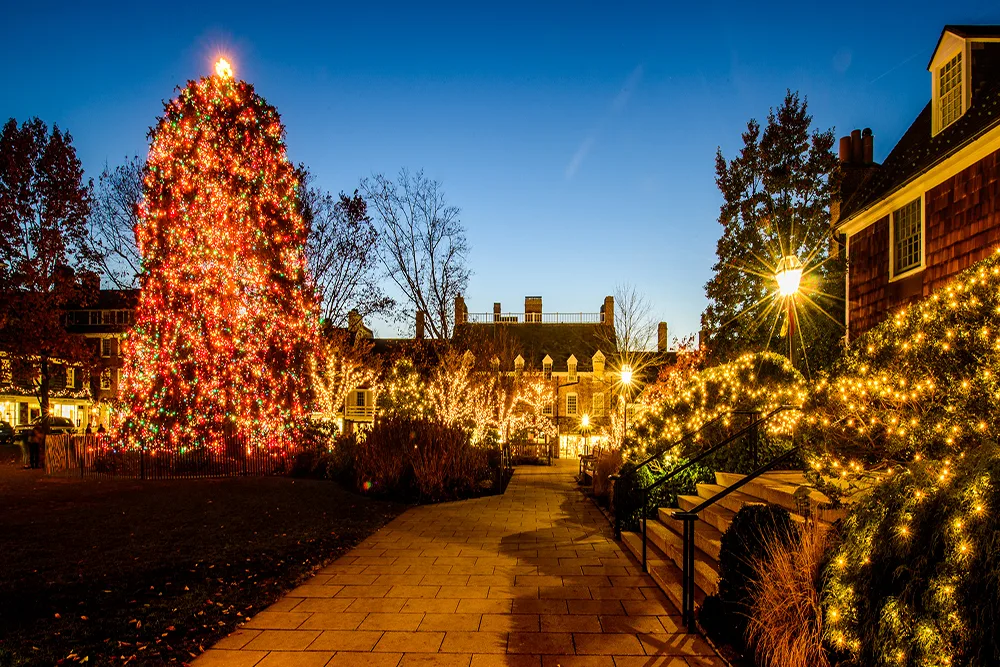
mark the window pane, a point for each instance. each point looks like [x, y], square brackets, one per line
[906, 241]
[950, 90]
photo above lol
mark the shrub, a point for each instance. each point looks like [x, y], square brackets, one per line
[411, 457]
[785, 625]
[754, 527]
[916, 578]
[608, 462]
[382, 463]
[628, 498]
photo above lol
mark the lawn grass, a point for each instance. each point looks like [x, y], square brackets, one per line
[151, 573]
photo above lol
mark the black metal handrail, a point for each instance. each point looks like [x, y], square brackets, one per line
[634, 471]
[749, 428]
[690, 516]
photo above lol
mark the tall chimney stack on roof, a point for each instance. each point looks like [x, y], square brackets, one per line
[661, 337]
[532, 309]
[419, 335]
[608, 311]
[461, 312]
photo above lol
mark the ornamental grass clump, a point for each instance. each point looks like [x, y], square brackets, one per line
[785, 625]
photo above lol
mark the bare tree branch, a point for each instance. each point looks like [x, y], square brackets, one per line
[113, 220]
[422, 245]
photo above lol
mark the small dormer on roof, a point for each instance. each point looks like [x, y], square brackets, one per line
[519, 363]
[571, 368]
[965, 56]
[598, 361]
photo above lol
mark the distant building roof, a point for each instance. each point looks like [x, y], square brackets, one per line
[558, 341]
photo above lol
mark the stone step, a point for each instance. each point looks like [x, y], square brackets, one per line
[714, 515]
[733, 502]
[778, 488]
[665, 573]
[670, 543]
[706, 537]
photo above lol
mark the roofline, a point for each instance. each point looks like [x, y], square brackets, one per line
[956, 30]
[989, 135]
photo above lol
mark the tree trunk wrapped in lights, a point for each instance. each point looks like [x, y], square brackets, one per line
[224, 323]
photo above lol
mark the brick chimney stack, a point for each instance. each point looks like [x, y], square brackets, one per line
[461, 312]
[661, 337]
[532, 309]
[419, 335]
[354, 321]
[857, 161]
[608, 311]
[496, 312]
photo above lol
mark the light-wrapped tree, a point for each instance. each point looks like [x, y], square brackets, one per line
[225, 322]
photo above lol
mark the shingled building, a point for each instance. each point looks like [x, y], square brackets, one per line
[932, 207]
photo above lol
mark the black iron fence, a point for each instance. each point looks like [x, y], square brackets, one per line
[109, 456]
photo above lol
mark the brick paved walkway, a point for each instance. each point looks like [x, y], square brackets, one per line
[528, 579]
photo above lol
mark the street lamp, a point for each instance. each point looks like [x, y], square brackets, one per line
[626, 383]
[788, 276]
[585, 427]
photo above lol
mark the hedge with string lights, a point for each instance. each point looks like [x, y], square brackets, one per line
[911, 411]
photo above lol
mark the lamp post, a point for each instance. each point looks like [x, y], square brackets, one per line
[585, 427]
[626, 385]
[788, 276]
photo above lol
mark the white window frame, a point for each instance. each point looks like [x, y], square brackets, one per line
[360, 400]
[597, 404]
[575, 410]
[70, 377]
[571, 374]
[893, 274]
[106, 354]
[106, 379]
[937, 112]
[547, 369]
[547, 409]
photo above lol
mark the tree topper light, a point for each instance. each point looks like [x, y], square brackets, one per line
[223, 69]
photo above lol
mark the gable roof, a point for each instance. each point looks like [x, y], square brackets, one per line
[559, 341]
[965, 32]
[917, 151]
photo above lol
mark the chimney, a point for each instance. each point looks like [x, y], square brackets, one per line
[532, 309]
[608, 311]
[496, 312]
[354, 321]
[857, 148]
[661, 337]
[868, 145]
[461, 312]
[845, 150]
[419, 335]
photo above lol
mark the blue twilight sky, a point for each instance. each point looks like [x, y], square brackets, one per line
[578, 139]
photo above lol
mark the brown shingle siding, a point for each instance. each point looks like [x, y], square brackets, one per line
[869, 276]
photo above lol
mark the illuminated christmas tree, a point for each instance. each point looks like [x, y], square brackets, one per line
[225, 323]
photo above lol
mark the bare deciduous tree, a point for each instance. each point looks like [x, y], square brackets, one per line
[113, 220]
[342, 256]
[422, 245]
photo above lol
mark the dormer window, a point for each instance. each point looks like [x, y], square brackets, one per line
[547, 367]
[950, 100]
[571, 367]
[519, 364]
[495, 363]
[598, 361]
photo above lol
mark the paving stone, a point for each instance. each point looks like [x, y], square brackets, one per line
[531, 578]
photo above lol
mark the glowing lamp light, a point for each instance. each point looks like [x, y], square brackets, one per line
[626, 375]
[788, 275]
[585, 421]
[223, 69]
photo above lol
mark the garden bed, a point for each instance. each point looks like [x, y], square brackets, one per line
[150, 573]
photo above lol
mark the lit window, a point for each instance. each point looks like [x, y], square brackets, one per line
[547, 409]
[106, 378]
[105, 347]
[950, 91]
[571, 367]
[71, 377]
[547, 370]
[906, 237]
[598, 408]
[519, 364]
[571, 404]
